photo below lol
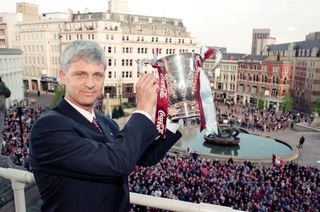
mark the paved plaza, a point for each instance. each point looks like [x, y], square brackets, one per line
[308, 155]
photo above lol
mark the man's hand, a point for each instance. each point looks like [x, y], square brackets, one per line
[147, 93]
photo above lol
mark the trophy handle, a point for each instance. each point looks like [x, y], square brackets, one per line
[141, 63]
[218, 58]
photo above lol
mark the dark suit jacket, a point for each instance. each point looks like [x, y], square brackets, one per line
[77, 168]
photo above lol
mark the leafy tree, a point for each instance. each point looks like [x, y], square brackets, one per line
[261, 101]
[316, 106]
[117, 112]
[287, 103]
[59, 92]
[120, 111]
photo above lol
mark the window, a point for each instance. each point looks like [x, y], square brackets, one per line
[109, 49]
[276, 69]
[285, 80]
[264, 78]
[220, 86]
[240, 88]
[264, 68]
[274, 93]
[254, 89]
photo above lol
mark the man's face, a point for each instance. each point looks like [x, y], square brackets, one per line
[83, 82]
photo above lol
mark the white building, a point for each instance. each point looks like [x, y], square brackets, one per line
[11, 73]
[7, 28]
[223, 81]
[125, 38]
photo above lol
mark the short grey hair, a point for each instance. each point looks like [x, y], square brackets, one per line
[82, 50]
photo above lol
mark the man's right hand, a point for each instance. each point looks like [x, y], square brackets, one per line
[146, 89]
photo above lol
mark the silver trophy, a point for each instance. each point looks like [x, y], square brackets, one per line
[181, 78]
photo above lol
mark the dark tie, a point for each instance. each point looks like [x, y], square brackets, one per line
[96, 124]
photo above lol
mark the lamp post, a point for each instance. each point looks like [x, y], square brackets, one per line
[120, 91]
[108, 108]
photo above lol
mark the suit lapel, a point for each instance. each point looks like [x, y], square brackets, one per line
[66, 109]
[105, 127]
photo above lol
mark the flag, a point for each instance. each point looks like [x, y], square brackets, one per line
[277, 160]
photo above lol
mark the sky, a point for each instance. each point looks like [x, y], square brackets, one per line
[225, 23]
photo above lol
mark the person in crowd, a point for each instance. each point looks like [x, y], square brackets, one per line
[242, 186]
[80, 159]
[301, 141]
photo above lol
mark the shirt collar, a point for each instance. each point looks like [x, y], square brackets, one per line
[86, 114]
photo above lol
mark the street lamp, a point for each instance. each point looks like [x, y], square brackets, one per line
[120, 91]
[108, 108]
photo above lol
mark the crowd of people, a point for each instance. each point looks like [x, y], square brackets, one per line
[245, 186]
[255, 119]
[14, 144]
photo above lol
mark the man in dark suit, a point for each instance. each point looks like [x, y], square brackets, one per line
[83, 166]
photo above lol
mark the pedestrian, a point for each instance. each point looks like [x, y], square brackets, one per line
[301, 141]
[80, 159]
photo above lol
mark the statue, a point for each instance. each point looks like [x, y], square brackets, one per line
[227, 134]
[4, 93]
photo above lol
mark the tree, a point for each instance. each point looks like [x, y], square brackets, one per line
[120, 111]
[316, 106]
[117, 112]
[261, 101]
[59, 92]
[287, 103]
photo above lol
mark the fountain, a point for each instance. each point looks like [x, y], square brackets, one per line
[252, 147]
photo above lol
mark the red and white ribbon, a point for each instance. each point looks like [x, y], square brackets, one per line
[162, 103]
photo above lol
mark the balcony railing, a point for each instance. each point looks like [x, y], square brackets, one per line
[19, 178]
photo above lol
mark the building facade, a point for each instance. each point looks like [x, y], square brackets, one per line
[305, 59]
[313, 36]
[263, 77]
[125, 39]
[11, 74]
[224, 79]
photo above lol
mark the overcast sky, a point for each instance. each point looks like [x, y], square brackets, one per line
[226, 23]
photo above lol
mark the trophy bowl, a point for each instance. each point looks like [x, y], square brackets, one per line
[180, 73]
[181, 82]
